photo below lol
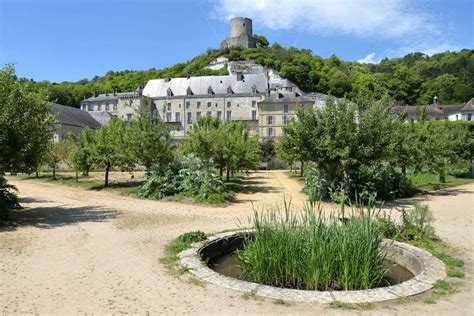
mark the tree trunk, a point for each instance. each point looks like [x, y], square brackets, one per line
[107, 169]
[37, 173]
[77, 176]
[221, 170]
[232, 173]
[54, 172]
[302, 169]
[228, 174]
[404, 170]
[471, 168]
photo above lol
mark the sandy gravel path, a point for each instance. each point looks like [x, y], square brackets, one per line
[79, 251]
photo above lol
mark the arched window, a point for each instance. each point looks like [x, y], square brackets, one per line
[169, 92]
[209, 90]
[189, 91]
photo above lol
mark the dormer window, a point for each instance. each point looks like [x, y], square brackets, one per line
[169, 92]
[229, 90]
[189, 91]
[254, 89]
[209, 90]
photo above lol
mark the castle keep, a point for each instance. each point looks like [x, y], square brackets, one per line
[240, 34]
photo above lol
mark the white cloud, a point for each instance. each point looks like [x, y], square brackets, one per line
[363, 18]
[369, 59]
[425, 48]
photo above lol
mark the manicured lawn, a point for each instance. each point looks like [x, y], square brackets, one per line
[429, 181]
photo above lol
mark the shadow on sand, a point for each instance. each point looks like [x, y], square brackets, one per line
[56, 216]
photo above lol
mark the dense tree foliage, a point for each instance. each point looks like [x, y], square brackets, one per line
[148, 139]
[360, 146]
[109, 149]
[413, 79]
[25, 132]
[25, 124]
[228, 145]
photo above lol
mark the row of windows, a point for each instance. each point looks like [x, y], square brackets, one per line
[271, 120]
[90, 107]
[209, 104]
[189, 117]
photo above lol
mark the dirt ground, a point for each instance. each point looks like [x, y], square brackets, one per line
[79, 251]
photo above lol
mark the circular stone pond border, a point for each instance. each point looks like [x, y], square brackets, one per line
[426, 268]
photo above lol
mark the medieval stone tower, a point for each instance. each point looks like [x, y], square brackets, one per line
[240, 34]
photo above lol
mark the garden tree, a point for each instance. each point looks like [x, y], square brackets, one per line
[81, 155]
[283, 152]
[267, 150]
[110, 149]
[148, 139]
[341, 138]
[25, 132]
[59, 152]
[296, 141]
[404, 145]
[25, 124]
[228, 145]
[437, 142]
[241, 152]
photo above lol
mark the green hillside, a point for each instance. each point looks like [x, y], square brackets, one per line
[413, 79]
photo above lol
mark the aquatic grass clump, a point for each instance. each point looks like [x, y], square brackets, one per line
[310, 251]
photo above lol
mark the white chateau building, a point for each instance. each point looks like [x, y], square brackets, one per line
[250, 93]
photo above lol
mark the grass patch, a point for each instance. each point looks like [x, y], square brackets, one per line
[441, 250]
[429, 300]
[352, 306]
[430, 182]
[195, 281]
[181, 243]
[279, 302]
[251, 295]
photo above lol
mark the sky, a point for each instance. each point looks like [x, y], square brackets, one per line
[69, 40]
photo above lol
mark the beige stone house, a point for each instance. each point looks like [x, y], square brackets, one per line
[276, 110]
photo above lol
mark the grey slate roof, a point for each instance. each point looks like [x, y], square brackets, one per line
[285, 97]
[67, 115]
[111, 96]
[199, 85]
[102, 117]
[469, 106]
[433, 110]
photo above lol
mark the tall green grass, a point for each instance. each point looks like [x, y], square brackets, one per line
[310, 251]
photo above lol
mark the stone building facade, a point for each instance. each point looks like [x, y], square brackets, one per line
[117, 105]
[276, 110]
[181, 101]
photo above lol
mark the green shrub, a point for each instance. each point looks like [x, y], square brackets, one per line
[417, 223]
[310, 251]
[8, 198]
[192, 237]
[189, 177]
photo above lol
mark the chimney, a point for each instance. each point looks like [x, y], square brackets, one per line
[166, 78]
[436, 104]
[293, 91]
[239, 75]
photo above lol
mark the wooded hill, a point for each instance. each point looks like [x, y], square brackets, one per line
[413, 79]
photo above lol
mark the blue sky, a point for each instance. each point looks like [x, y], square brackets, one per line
[68, 40]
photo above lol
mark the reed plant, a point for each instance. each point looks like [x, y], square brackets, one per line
[308, 250]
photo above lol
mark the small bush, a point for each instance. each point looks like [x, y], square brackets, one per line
[417, 222]
[8, 198]
[192, 237]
